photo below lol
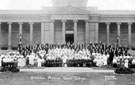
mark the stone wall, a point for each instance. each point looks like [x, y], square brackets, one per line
[124, 34]
[26, 34]
[58, 32]
[102, 34]
[47, 33]
[81, 32]
[15, 35]
[92, 27]
[36, 33]
[113, 33]
[4, 35]
[133, 35]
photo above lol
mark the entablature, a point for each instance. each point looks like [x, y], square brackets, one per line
[23, 18]
[117, 18]
[70, 17]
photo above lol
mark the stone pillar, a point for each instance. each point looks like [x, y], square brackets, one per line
[63, 30]
[52, 31]
[9, 34]
[86, 31]
[20, 32]
[20, 28]
[31, 32]
[75, 31]
[118, 32]
[108, 32]
[96, 32]
[129, 34]
[42, 32]
[0, 35]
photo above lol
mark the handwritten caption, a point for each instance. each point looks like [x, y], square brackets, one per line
[110, 77]
[74, 78]
[57, 78]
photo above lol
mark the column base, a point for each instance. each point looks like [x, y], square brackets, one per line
[9, 47]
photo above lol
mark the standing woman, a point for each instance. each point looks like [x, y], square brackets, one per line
[0, 60]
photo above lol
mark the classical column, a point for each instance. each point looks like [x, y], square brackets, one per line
[42, 32]
[118, 32]
[20, 32]
[86, 31]
[129, 34]
[63, 30]
[52, 31]
[31, 32]
[75, 31]
[20, 28]
[108, 32]
[0, 35]
[96, 32]
[9, 34]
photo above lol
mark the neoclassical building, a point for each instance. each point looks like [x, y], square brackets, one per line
[67, 20]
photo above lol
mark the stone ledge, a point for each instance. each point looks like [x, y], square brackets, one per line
[66, 69]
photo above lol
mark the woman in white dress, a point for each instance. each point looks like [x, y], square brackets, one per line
[105, 59]
[126, 63]
[133, 61]
[0, 61]
[31, 59]
[19, 62]
[39, 61]
[23, 62]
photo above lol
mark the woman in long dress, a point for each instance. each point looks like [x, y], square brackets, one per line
[126, 63]
[19, 62]
[31, 59]
[39, 61]
[124, 69]
[0, 61]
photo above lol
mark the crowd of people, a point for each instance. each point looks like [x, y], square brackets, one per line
[50, 55]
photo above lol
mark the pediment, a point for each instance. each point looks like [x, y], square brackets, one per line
[70, 10]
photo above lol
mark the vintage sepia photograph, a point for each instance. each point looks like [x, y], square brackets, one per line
[67, 42]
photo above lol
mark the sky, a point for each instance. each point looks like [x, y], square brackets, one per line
[38, 4]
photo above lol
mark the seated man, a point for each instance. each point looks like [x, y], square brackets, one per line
[124, 69]
[9, 64]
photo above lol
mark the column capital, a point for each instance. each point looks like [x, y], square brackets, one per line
[31, 23]
[118, 23]
[108, 23]
[42, 22]
[52, 20]
[87, 21]
[63, 20]
[75, 20]
[10, 23]
[130, 23]
[20, 23]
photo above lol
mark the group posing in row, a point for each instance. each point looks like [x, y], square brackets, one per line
[99, 54]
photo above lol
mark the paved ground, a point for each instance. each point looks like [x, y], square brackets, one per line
[67, 69]
[66, 78]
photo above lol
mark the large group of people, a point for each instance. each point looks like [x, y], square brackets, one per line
[86, 54]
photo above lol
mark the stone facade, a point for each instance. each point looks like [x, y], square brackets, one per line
[50, 25]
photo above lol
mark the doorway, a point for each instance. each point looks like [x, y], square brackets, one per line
[70, 38]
